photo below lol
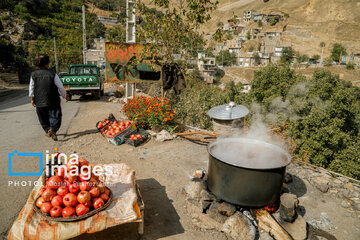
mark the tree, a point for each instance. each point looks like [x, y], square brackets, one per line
[287, 55]
[176, 31]
[257, 58]
[116, 34]
[273, 20]
[226, 58]
[322, 45]
[260, 24]
[338, 51]
[316, 57]
[248, 35]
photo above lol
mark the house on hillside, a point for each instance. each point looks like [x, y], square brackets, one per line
[234, 45]
[96, 55]
[108, 20]
[208, 76]
[221, 47]
[248, 16]
[206, 67]
[259, 17]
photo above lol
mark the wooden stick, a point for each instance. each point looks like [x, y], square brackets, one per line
[270, 225]
[196, 133]
[200, 138]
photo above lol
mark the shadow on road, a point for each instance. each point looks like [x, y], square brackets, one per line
[297, 186]
[161, 218]
[13, 98]
[68, 137]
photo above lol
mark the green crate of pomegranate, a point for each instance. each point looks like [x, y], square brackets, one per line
[137, 137]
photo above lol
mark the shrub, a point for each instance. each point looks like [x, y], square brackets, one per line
[350, 66]
[151, 113]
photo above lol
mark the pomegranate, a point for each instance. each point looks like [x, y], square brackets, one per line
[83, 162]
[85, 186]
[81, 209]
[94, 192]
[101, 187]
[62, 191]
[69, 200]
[54, 182]
[107, 191]
[104, 197]
[39, 202]
[84, 177]
[56, 211]
[93, 181]
[74, 188]
[88, 204]
[57, 201]
[83, 197]
[70, 178]
[68, 212]
[60, 171]
[98, 202]
[45, 207]
[48, 194]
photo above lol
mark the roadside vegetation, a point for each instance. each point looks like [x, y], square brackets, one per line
[319, 117]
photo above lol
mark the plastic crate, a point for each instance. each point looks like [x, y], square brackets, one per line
[111, 119]
[137, 142]
[120, 138]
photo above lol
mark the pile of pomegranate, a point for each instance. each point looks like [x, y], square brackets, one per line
[117, 127]
[65, 195]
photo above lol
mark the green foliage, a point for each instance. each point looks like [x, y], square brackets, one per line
[193, 103]
[287, 55]
[259, 23]
[225, 58]
[350, 66]
[273, 20]
[302, 58]
[248, 35]
[328, 62]
[286, 15]
[337, 51]
[116, 34]
[175, 30]
[316, 57]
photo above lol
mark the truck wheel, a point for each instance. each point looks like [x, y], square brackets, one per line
[97, 94]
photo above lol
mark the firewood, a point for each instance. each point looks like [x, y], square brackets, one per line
[270, 225]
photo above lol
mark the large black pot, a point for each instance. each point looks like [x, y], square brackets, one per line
[246, 172]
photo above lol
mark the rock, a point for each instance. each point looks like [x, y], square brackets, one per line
[288, 206]
[204, 221]
[345, 204]
[357, 206]
[349, 186]
[214, 212]
[321, 183]
[288, 178]
[205, 205]
[239, 227]
[206, 195]
[152, 133]
[296, 229]
[227, 209]
[163, 136]
[265, 235]
[285, 188]
[194, 189]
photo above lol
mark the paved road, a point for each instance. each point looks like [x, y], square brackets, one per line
[20, 130]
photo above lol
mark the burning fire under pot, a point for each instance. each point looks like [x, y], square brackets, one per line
[246, 172]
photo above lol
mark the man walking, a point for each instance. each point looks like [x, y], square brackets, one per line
[44, 89]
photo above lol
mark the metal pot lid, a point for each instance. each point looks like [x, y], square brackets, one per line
[229, 111]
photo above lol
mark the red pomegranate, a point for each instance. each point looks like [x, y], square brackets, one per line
[54, 182]
[85, 186]
[62, 191]
[83, 197]
[56, 211]
[83, 162]
[81, 209]
[48, 194]
[84, 177]
[88, 204]
[57, 201]
[94, 192]
[101, 187]
[45, 207]
[60, 171]
[39, 202]
[107, 191]
[74, 188]
[68, 212]
[70, 179]
[70, 200]
[98, 202]
[104, 197]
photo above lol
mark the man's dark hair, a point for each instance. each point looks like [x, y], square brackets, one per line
[42, 61]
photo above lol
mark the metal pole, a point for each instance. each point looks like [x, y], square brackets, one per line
[56, 59]
[84, 33]
[130, 38]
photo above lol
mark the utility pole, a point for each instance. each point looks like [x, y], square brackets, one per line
[84, 33]
[56, 59]
[130, 38]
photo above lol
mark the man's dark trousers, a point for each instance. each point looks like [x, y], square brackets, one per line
[49, 117]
